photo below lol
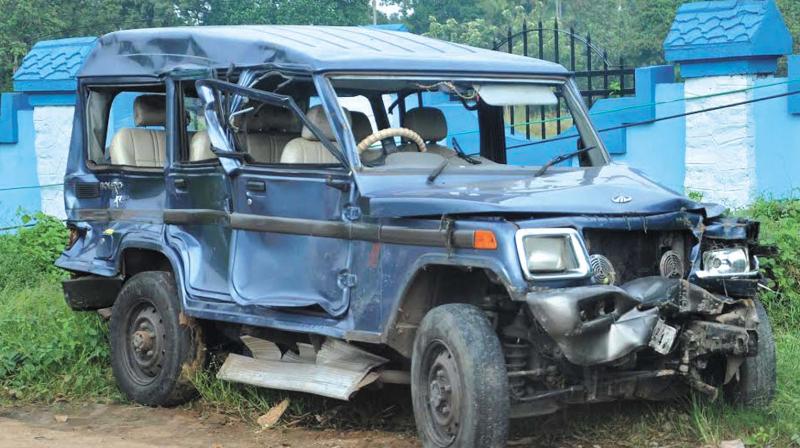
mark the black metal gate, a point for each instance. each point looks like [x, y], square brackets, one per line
[596, 76]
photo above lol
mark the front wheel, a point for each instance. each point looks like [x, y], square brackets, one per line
[155, 349]
[755, 386]
[459, 382]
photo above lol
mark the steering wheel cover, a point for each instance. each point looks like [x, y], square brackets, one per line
[406, 133]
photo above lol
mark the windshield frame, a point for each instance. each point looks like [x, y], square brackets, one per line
[577, 107]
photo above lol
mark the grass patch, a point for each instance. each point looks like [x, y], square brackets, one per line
[780, 226]
[48, 352]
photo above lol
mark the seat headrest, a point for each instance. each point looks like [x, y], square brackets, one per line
[273, 118]
[362, 128]
[150, 110]
[318, 116]
[428, 122]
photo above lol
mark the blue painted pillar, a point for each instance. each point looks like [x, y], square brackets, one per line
[722, 49]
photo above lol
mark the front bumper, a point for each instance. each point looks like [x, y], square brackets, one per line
[601, 324]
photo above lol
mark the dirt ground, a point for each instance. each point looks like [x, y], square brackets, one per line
[119, 426]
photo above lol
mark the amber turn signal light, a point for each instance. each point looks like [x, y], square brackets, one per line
[484, 239]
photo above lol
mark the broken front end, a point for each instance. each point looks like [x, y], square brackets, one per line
[666, 310]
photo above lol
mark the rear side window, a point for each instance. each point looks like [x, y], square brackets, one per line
[126, 127]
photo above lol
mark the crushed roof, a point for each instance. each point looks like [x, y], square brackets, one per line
[317, 48]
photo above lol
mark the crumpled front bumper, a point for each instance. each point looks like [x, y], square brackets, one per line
[601, 324]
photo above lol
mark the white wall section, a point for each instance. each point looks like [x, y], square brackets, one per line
[720, 145]
[53, 127]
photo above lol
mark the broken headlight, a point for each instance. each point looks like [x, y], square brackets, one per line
[727, 262]
[552, 253]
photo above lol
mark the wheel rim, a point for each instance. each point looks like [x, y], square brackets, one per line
[145, 343]
[441, 394]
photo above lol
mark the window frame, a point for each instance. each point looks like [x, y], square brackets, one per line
[291, 169]
[121, 85]
[183, 142]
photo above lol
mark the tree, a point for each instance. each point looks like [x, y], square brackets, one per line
[282, 12]
[25, 22]
[417, 13]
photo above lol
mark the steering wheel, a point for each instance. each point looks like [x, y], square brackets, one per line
[383, 134]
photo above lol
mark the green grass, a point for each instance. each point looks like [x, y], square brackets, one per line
[47, 351]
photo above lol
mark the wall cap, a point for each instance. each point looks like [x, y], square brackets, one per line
[51, 65]
[726, 32]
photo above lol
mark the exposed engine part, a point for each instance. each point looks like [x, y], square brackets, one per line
[603, 272]
[671, 265]
[601, 324]
[702, 338]
[489, 305]
[637, 254]
[516, 354]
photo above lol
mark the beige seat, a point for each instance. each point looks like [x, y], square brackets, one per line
[431, 125]
[139, 146]
[200, 147]
[268, 131]
[308, 148]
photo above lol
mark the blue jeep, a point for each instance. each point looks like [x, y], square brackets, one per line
[291, 194]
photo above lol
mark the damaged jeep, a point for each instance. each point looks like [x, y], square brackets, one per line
[333, 208]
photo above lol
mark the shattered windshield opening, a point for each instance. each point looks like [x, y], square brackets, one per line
[267, 118]
[415, 122]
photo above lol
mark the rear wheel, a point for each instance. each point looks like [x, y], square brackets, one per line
[459, 383]
[756, 384]
[155, 349]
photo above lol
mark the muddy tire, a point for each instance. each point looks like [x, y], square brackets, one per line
[755, 387]
[155, 349]
[459, 383]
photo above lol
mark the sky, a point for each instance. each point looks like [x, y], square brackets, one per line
[388, 9]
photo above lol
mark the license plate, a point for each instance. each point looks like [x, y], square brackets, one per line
[663, 337]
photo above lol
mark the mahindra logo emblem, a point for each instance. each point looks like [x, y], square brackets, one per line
[621, 199]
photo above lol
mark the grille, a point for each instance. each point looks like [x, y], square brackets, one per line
[87, 190]
[638, 254]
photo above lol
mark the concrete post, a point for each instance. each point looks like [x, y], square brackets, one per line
[723, 47]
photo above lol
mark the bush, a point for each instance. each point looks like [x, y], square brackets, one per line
[27, 255]
[49, 352]
[780, 225]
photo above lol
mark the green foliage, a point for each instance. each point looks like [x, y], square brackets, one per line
[49, 352]
[418, 14]
[696, 196]
[282, 12]
[25, 22]
[780, 226]
[632, 29]
[27, 255]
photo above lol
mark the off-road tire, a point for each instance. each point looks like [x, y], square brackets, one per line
[152, 298]
[756, 385]
[468, 346]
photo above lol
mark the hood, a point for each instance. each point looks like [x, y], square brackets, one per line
[608, 190]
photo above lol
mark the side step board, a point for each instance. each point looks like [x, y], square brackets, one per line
[336, 371]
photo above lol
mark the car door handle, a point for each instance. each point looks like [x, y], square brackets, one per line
[256, 185]
[181, 183]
